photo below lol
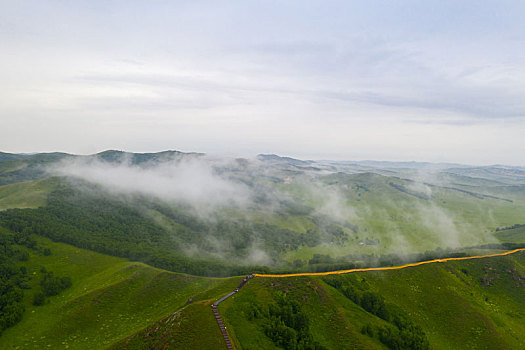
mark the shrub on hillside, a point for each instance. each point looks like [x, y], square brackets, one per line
[39, 298]
[52, 285]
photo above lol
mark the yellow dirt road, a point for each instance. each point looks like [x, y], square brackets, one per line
[390, 267]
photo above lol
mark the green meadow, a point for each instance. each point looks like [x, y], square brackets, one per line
[145, 266]
[474, 304]
[110, 298]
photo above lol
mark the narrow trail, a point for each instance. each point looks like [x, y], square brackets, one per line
[389, 267]
[218, 316]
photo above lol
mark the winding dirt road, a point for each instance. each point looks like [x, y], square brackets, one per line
[389, 267]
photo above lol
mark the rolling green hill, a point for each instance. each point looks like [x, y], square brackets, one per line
[110, 298]
[29, 194]
[474, 304]
[290, 213]
[512, 235]
[127, 305]
[103, 242]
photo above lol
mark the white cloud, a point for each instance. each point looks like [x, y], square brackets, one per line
[361, 80]
[190, 181]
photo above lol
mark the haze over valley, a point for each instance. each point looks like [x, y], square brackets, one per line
[277, 212]
[294, 175]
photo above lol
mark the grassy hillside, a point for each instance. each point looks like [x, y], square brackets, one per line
[293, 215]
[468, 305]
[405, 217]
[16, 168]
[192, 327]
[125, 305]
[110, 299]
[291, 211]
[474, 304]
[383, 216]
[29, 194]
[513, 235]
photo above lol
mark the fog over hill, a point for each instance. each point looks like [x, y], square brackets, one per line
[282, 212]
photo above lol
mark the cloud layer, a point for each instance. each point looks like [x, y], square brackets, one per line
[189, 181]
[434, 80]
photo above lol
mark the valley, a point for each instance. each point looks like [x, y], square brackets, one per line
[151, 241]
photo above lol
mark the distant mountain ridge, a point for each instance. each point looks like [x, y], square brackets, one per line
[115, 154]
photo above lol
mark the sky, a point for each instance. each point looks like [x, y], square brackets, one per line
[439, 81]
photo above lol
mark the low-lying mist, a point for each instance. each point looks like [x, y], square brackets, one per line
[192, 181]
[250, 211]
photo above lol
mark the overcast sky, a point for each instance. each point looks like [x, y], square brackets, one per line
[387, 80]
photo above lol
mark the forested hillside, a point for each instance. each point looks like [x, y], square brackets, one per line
[78, 231]
[188, 213]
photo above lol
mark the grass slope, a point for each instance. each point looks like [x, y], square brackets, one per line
[192, 327]
[332, 317]
[337, 215]
[29, 194]
[110, 299]
[515, 235]
[474, 304]
[118, 304]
